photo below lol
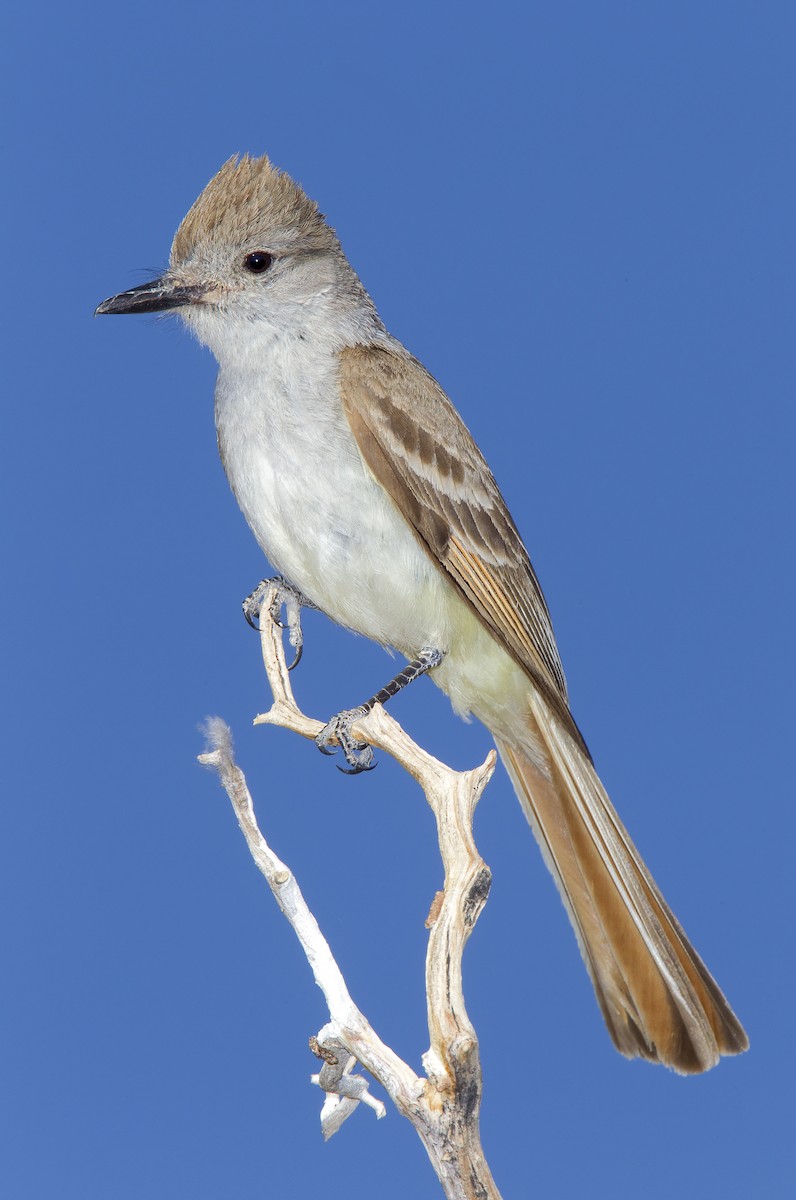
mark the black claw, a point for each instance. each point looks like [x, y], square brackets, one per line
[297, 659]
[252, 610]
[247, 612]
[358, 769]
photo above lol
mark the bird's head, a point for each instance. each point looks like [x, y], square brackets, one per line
[252, 248]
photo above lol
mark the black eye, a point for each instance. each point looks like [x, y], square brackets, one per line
[258, 262]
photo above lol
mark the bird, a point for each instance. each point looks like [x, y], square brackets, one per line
[370, 498]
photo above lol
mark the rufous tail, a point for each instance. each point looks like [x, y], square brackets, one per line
[658, 999]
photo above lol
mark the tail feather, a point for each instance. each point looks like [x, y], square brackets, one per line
[658, 999]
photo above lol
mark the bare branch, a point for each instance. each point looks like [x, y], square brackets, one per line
[444, 1105]
[348, 1023]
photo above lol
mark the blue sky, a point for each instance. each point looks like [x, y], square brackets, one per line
[580, 217]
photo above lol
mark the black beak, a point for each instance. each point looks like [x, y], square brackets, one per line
[158, 296]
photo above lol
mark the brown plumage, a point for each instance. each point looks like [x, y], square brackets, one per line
[244, 201]
[658, 999]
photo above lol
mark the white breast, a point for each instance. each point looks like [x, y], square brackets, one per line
[328, 527]
[319, 516]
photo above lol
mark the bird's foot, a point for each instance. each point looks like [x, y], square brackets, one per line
[358, 755]
[279, 594]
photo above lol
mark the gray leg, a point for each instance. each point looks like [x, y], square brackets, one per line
[359, 755]
[284, 595]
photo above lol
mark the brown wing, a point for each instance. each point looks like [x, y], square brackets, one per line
[418, 448]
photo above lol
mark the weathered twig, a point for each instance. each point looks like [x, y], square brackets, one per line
[444, 1105]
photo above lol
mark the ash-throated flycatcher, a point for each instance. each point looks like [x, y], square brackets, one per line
[369, 496]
